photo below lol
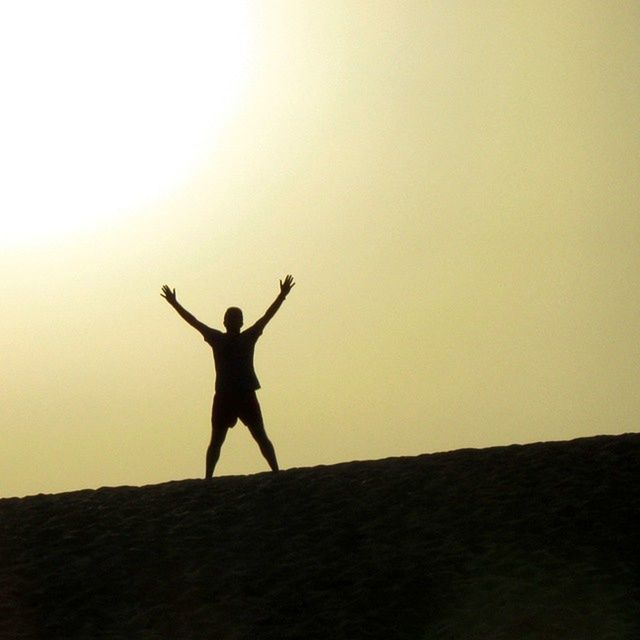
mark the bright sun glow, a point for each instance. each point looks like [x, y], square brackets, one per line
[109, 105]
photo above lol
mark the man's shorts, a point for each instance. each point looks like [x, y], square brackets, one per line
[229, 406]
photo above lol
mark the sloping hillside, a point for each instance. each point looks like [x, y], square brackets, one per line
[519, 542]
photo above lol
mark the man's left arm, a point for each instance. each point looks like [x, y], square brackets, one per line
[285, 289]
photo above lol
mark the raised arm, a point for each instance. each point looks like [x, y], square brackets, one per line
[285, 288]
[170, 296]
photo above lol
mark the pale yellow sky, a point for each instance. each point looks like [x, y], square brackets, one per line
[454, 186]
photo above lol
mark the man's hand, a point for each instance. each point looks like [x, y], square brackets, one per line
[168, 295]
[287, 285]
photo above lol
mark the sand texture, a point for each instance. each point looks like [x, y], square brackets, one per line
[521, 542]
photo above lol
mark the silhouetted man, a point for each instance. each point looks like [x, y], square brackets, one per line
[236, 381]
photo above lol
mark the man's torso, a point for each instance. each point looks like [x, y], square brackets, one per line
[233, 358]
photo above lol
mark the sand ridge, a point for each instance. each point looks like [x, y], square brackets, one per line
[525, 541]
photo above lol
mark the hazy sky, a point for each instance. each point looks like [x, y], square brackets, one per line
[454, 186]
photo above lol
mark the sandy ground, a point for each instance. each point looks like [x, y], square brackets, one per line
[522, 542]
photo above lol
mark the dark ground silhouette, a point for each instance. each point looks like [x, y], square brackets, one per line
[522, 542]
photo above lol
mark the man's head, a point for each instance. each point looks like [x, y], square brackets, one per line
[233, 320]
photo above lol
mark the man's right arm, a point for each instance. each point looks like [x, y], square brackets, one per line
[170, 296]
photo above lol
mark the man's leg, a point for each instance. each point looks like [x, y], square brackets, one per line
[266, 447]
[213, 451]
[252, 417]
[219, 428]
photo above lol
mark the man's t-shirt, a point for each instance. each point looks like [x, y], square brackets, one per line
[233, 358]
